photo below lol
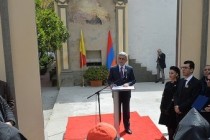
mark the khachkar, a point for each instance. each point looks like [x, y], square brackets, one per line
[122, 25]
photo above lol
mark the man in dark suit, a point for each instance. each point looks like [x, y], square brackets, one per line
[187, 91]
[7, 121]
[206, 112]
[206, 71]
[122, 74]
[6, 94]
[161, 64]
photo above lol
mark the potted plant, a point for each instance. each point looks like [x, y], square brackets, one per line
[96, 75]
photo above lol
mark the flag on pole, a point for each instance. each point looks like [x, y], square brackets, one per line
[111, 61]
[82, 52]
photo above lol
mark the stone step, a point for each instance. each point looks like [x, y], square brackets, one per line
[141, 73]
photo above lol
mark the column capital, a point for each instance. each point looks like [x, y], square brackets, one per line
[120, 2]
[62, 2]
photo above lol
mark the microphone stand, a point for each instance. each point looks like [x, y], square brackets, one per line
[98, 93]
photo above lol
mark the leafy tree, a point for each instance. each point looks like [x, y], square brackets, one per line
[51, 32]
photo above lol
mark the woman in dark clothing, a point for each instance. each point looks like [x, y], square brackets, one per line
[168, 115]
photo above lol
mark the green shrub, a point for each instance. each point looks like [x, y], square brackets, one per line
[96, 73]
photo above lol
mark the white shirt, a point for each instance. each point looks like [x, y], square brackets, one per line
[123, 69]
[188, 79]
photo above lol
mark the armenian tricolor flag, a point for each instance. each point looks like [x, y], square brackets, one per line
[111, 61]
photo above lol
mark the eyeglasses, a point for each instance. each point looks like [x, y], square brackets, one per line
[206, 69]
[121, 58]
[185, 67]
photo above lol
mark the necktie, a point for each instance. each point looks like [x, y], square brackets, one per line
[184, 83]
[121, 72]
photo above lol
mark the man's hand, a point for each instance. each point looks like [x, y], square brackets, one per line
[9, 123]
[113, 85]
[176, 109]
[126, 85]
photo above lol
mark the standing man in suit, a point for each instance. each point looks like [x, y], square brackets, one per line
[206, 72]
[161, 64]
[122, 74]
[187, 91]
[206, 112]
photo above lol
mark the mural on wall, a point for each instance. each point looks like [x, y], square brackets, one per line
[87, 11]
[95, 18]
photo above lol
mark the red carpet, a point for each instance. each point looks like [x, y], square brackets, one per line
[143, 128]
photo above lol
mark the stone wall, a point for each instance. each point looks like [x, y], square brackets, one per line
[95, 18]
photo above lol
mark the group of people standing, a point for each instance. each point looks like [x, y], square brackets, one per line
[177, 98]
[180, 93]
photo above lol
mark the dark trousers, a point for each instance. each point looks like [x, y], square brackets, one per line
[124, 101]
[179, 117]
[160, 70]
[171, 132]
[206, 116]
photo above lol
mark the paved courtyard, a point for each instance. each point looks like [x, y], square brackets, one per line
[72, 101]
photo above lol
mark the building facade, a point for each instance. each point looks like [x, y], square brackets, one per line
[19, 53]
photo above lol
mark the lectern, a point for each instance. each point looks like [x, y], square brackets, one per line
[115, 92]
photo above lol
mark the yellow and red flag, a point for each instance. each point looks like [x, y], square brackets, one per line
[82, 51]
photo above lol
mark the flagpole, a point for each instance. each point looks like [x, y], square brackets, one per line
[82, 57]
[83, 80]
[82, 71]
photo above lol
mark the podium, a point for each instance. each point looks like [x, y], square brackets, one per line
[115, 92]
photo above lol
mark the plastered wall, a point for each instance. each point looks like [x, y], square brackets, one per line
[152, 25]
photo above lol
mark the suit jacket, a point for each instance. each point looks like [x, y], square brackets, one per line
[8, 132]
[6, 114]
[5, 93]
[185, 95]
[115, 77]
[161, 60]
[206, 115]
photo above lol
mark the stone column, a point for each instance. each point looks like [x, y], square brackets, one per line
[204, 38]
[22, 66]
[121, 25]
[2, 60]
[62, 55]
[190, 36]
[62, 13]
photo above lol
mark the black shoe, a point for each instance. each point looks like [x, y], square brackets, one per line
[128, 131]
[162, 82]
[156, 81]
